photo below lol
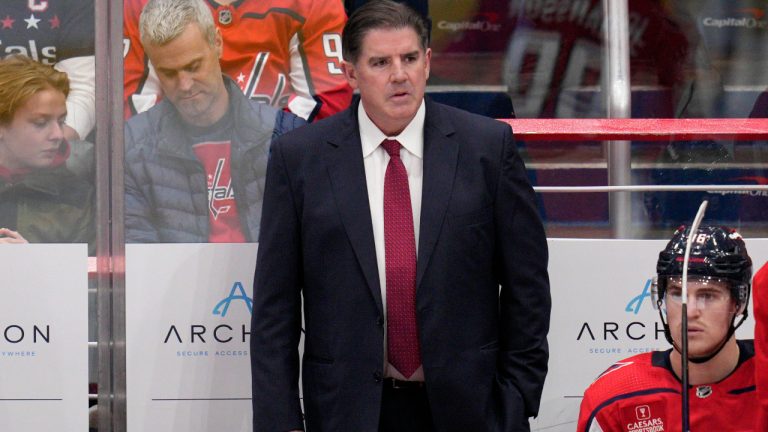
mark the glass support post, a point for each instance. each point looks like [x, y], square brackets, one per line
[618, 105]
[110, 239]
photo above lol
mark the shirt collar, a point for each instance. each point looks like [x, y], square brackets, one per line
[411, 138]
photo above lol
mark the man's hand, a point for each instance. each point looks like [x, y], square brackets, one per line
[8, 236]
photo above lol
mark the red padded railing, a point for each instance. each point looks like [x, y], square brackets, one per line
[638, 129]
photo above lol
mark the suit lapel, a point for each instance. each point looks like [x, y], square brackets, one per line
[344, 160]
[441, 154]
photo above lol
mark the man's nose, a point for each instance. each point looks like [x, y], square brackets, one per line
[694, 308]
[185, 81]
[398, 71]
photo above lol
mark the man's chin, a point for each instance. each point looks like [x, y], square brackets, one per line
[700, 350]
[404, 111]
[193, 116]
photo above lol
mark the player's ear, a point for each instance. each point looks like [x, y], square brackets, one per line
[738, 307]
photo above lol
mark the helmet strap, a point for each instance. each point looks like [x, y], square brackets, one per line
[667, 333]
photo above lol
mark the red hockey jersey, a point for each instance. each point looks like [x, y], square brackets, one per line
[642, 394]
[760, 296]
[286, 53]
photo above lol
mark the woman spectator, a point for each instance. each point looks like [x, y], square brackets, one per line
[41, 201]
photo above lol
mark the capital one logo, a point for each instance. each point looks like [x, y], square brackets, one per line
[637, 301]
[237, 293]
[643, 412]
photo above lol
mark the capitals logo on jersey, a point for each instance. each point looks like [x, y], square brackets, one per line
[220, 194]
[224, 220]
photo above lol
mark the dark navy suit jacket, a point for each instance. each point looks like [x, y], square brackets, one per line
[482, 298]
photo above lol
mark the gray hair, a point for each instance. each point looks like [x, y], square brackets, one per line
[162, 21]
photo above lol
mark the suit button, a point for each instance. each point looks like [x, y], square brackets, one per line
[377, 376]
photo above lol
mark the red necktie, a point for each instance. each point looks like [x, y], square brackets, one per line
[400, 258]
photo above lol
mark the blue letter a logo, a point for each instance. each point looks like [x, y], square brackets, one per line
[236, 293]
[637, 301]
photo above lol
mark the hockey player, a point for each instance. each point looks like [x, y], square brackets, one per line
[642, 393]
[286, 53]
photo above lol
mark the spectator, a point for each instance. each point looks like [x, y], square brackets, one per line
[644, 392]
[195, 163]
[58, 33]
[286, 53]
[41, 201]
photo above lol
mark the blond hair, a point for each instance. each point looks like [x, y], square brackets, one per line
[20, 78]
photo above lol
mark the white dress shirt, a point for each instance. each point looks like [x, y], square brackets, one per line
[375, 159]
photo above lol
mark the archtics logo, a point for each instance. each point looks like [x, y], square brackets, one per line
[634, 330]
[637, 301]
[236, 293]
[222, 332]
[630, 333]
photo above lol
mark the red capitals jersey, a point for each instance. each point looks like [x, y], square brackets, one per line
[760, 297]
[553, 52]
[556, 53]
[286, 53]
[642, 394]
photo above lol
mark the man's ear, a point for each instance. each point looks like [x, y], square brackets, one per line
[738, 308]
[218, 42]
[350, 73]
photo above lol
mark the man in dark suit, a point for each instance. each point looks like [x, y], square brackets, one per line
[410, 232]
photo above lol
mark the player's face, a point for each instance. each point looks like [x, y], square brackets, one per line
[190, 75]
[33, 137]
[710, 309]
[391, 73]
